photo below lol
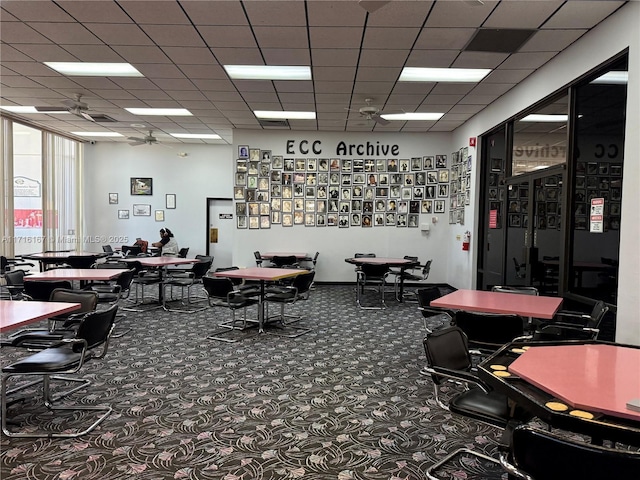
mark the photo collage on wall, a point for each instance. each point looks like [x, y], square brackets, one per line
[343, 192]
[460, 185]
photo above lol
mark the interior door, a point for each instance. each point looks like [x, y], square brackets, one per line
[534, 241]
[221, 220]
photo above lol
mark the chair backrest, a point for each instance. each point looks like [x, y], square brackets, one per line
[41, 289]
[519, 272]
[204, 258]
[131, 251]
[81, 261]
[258, 258]
[201, 268]
[488, 331]
[303, 282]
[96, 327]
[182, 253]
[374, 271]
[124, 279]
[107, 249]
[447, 348]
[281, 261]
[410, 258]
[235, 281]
[426, 269]
[218, 287]
[15, 278]
[425, 296]
[543, 455]
[315, 259]
[364, 255]
[113, 265]
[4, 263]
[597, 314]
[87, 299]
[516, 290]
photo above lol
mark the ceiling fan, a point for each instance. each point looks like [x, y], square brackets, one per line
[371, 113]
[76, 107]
[147, 139]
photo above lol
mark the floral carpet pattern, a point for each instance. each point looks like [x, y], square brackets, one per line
[345, 401]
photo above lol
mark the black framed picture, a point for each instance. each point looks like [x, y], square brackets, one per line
[141, 186]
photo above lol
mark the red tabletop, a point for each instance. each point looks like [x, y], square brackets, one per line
[381, 261]
[14, 314]
[97, 274]
[61, 255]
[257, 273]
[298, 255]
[498, 302]
[595, 378]
[160, 261]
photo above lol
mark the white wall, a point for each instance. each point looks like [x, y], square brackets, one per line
[334, 243]
[205, 172]
[611, 37]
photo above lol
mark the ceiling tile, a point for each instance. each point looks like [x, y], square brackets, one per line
[334, 87]
[491, 89]
[129, 83]
[276, 13]
[442, 88]
[400, 14]
[479, 60]
[293, 86]
[120, 34]
[142, 54]
[221, 85]
[432, 58]
[159, 70]
[156, 12]
[190, 55]
[460, 14]
[227, 36]
[66, 33]
[389, 38]
[335, 37]
[370, 74]
[286, 56]
[297, 98]
[215, 13]
[16, 33]
[281, 37]
[203, 71]
[337, 57]
[527, 60]
[10, 54]
[335, 13]
[577, 15]
[98, 12]
[30, 69]
[444, 38]
[503, 75]
[174, 84]
[521, 14]
[238, 56]
[93, 53]
[333, 73]
[551, 40]
[382, 58]
[173, 35]
[36, 11]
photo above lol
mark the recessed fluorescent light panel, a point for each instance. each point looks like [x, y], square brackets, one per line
[537, 117]
[25, 109]
[167, 112]
[204, 136]
[97, 134]
[88, 69]
[451, 75]
[614, 77]
[268, 72]
[281, 115]
[412, 116]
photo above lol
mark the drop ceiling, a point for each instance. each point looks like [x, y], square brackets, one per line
[180, 47]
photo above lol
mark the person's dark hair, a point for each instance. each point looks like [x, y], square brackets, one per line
[168, 232]
[162, 230]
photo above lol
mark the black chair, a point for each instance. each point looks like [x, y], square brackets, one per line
[248, 289]
[182, 253]
[221, 292]
[111, 293]
[371, 277]
[449, 360]
[567, 325]
[258, 258]
[10, 264]
[521, 271]
[90, 342]
[15, 283]
[418, 274]
[108, 249]
[536, 454]
[487, 332]
[425, 296]
[288, 295]
[40, 290]
[518, 291]
[131, 251]
[186, 280]
[81, 261]
[286, 261]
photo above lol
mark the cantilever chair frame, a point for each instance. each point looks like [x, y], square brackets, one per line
[460, 374]
[289, 295]
[233, 299]
[71, 366]
[376, 281]
[187, 279]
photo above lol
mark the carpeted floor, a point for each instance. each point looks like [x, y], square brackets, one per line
[345, 401]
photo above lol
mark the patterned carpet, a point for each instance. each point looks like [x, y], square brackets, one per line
[345, 401]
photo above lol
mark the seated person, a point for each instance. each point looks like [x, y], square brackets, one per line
[167, 244]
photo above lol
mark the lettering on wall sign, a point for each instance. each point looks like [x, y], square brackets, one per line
[304, 146]
[369, 149]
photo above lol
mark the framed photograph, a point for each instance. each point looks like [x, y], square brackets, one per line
[254, 223]
[141, 186]
[287, 220]
[141, 210]
[123, 214]
[243, 151]
[514, 220]
[254, 155]
[276, 162]
[159, 215]
[242, 221]
[438, 206]
[170, 201]
[113, 199]
[265, 221]
[265, 156]
[496, 165]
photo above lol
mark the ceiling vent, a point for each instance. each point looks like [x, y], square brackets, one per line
[498, 40]
[274, 123]
[102, 118]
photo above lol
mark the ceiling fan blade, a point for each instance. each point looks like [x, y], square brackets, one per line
[135, 144]
[86, 116]
[69, 103]
[136, 139]
[380, 120]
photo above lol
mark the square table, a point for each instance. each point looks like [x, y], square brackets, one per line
[14, 314]
[160, 263]
[535, 306]
[401, 263]
[262, 275]
[46, 258]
